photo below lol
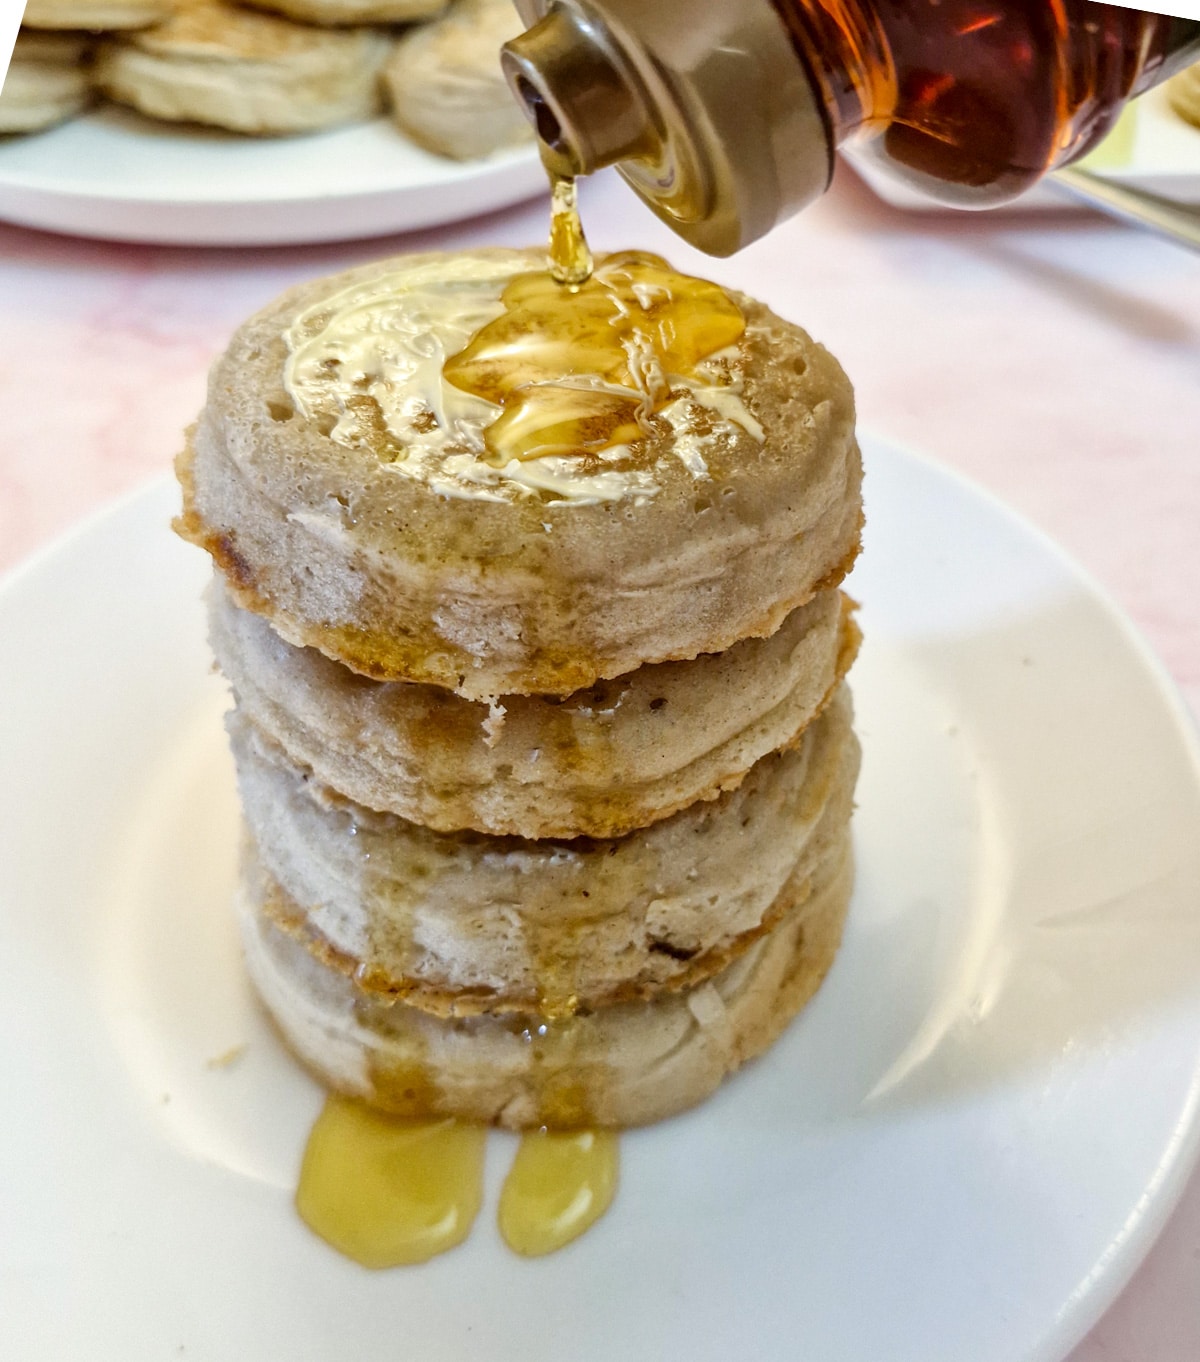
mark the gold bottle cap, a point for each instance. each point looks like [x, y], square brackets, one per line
[703, 106]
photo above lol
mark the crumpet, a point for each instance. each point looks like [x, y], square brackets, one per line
[347, 492]
[251, 73]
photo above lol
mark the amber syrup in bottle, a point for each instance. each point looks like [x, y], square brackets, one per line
[972, 101]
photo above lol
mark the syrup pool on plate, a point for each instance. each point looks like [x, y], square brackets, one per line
[389, 1192]
[560, 1184]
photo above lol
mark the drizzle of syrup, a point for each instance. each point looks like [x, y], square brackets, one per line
[583, 369]
[563, 1090]
[389, 1192]
[578, 362]
[560, 1184]
[570, 257]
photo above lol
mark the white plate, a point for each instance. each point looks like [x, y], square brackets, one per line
[1151, 148]
[116, 175]
[959, 1151]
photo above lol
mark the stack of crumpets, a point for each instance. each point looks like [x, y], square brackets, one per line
[529, 601]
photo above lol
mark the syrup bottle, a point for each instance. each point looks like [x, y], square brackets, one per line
[724, 115]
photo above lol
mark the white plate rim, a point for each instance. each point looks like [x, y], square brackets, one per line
[278, 205]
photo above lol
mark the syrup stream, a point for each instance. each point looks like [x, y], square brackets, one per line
[570, 256]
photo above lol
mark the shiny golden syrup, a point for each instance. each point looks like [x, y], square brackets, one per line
[564, 1091]
[389, 1192]
[570, 257]
[560, 1184]
[584, 369]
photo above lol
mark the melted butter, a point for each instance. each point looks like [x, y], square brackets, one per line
[560, 1184]
[388, 1192]
[584, 369]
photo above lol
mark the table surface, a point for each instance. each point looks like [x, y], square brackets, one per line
[1054, 359]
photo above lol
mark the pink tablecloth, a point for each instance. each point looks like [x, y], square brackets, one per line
[1055, 360]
